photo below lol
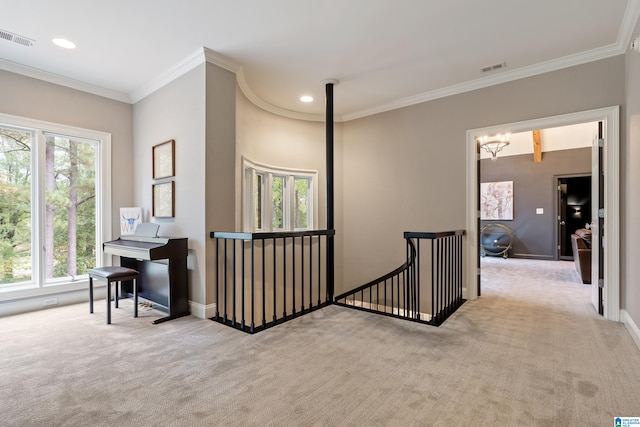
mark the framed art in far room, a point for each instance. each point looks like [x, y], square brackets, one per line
[496, 200]
[164, 164]
[163, 200]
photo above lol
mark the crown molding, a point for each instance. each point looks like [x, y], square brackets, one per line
[228, 64]
[207, 55]
[62, 81]
[192, 61]
[631, 15]
[507, 76]
[259, 102]
[221, 60]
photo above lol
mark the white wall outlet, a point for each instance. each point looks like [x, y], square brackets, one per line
[539, 211]
[50, 301]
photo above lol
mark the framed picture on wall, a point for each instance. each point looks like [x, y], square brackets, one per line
[164, 164]
[496, 200]
[163, 200]
[129, 220]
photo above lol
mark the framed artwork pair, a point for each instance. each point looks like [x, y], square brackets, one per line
[163, 189]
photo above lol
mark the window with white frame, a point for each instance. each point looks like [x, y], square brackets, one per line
[51, 202]
[278, 199]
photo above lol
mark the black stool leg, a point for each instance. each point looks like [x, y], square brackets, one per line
[135, 297]
[90, 294]
[108, 302]
[117, 283]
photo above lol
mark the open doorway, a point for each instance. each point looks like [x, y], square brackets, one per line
[573, 211]
[531, 212]
[609, 141]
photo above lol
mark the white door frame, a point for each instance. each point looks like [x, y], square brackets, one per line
[611, 118]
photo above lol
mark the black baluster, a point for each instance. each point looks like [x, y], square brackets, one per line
[226, 284]
[284, 271]
[310, 271]
[302, 273]
[233, 247]
[242, 305]
[264, 302]
[440, 290]
[460, 268]
[385, 296]
[434, 292]
[320, 271]
[217, 279]
[399, 299]
[418, 281]
[253, 282]
[275, 293]
[392, 295]
[293, 275]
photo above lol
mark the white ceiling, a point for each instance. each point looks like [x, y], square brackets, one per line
[384, 53]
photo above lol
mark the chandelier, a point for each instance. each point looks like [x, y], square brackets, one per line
[494, 144]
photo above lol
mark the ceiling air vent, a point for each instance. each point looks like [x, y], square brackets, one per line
[494, 67]
[15, 38]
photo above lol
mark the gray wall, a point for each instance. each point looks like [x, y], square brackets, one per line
[630, 190]
[534, 187]
[406, 169]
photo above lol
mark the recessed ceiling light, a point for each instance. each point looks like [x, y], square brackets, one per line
[306, 98]
[67, 44]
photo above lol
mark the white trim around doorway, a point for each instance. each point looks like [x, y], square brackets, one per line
[611, 118]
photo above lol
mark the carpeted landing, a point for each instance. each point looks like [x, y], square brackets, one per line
[530, 351]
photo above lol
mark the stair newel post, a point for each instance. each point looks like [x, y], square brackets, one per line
[330, 186]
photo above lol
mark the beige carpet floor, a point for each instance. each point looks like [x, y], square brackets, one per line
[530, 351]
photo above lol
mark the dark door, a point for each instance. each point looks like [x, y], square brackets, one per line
[574, 210]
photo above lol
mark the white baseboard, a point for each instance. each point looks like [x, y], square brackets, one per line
[49, 300]
[202, 311]
[386, 309]
[631, 326]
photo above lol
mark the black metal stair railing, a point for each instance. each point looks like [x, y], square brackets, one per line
[387, 294]
[427, 288]
[264, 279]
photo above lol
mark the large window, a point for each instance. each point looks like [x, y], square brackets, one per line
[51, 207]
[278, 199]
